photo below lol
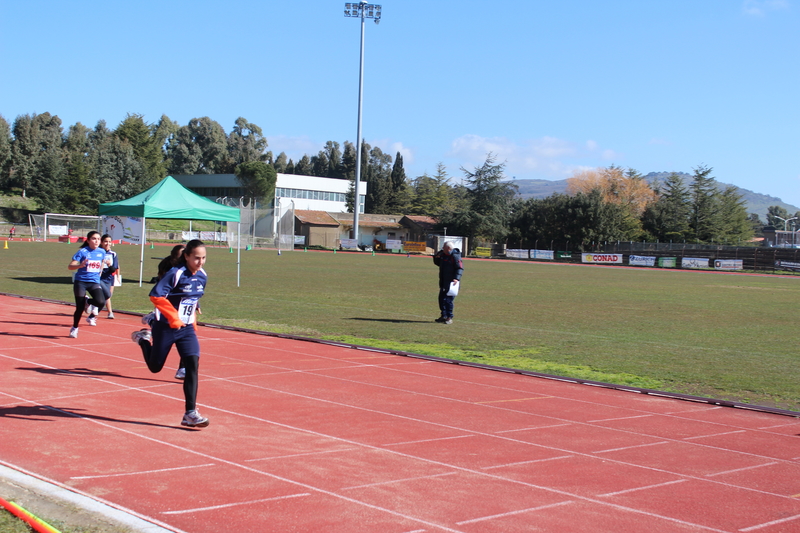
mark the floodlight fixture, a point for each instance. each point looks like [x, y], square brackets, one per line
[785, 221]
[361, 10]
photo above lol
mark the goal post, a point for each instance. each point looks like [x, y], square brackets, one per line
[55, 225]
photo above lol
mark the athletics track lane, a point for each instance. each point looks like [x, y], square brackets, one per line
[309, 437]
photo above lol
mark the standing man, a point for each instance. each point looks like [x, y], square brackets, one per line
[448, 259]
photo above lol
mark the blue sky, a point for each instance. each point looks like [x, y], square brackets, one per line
[550, 87]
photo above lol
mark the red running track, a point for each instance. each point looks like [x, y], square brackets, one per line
[309, 437]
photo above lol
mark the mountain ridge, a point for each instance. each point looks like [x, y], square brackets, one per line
[755, 202]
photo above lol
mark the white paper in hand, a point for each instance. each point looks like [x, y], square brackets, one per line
[453, 288]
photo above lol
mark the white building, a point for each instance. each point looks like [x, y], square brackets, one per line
[310, 193]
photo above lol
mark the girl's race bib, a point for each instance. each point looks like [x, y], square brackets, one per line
[94, 265]
[186, 310]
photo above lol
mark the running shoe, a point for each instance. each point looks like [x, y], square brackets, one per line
[441, 320]
[180, 374]
[141, 335]
[91, 320]
[92, 310]
[448, 321]
[73, 333]
[193, 419]
[111, 316]
[149, 318]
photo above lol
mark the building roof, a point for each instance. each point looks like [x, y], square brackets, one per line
[425, 222]
[318, 218]
[369, 220]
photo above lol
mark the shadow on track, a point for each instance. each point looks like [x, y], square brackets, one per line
[46, 413]
[89, 373]
[391, 320]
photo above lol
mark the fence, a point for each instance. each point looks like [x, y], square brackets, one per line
[762, 259]
[262, 227]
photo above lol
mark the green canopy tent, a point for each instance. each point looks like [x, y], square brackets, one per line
[170, 199]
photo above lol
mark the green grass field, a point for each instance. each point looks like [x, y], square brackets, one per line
[721, 335]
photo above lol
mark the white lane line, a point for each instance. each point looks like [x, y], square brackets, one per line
[767, 524]
[714, 435]
[429, 440]
[641, 488]
[532, 428]
[620, 418]
[512, 513]
[398, 481]
[632, 447]
[237, 504]
[741, 469]
[143, 472]
[527, 462]
[289, 456]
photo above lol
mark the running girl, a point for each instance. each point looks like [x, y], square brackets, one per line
[110, 272]
[88, 261]
[175, 297]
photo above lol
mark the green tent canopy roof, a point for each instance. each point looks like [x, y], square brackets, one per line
[170, 199]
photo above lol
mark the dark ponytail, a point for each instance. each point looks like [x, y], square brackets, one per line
[190, 246]
[89, 236]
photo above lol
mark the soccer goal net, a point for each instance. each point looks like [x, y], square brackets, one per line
[54, 225]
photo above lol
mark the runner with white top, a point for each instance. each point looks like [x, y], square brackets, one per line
[175, 297]
[88, 261]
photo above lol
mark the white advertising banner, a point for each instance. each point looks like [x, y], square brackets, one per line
[694, 262]
[215, 236]
[787, 265]
[124, 229]
[517, 254]
[601, 258]
[642, 260]
[393, 244]
[349, 243]
[543, 254]
[728, 264]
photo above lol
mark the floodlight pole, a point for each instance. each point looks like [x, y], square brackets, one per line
[785, 221]
[362, 10]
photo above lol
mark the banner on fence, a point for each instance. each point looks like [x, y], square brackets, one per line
[53, 229]
[642, 260]
[601, 258]
[668, 262]
[414, 246]
[787, 265]
[393, 244]
[349, 243]
[544, 254]
[694, 262]
[515, 253]
[124, 229]
[216, 236]
[483, 252]
[564, 255]
[728, 264]
[300, 240]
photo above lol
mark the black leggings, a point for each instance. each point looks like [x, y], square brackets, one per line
[185, 339]
[98, 298]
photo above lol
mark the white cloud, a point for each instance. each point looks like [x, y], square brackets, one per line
[759, 8]
[295, 147]
[545, 157]
[391, 148]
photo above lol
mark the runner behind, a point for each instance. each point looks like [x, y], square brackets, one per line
[88, 261]
[175, 297]
[110, 272]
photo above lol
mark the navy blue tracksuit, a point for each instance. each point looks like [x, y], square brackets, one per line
[450, 267]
